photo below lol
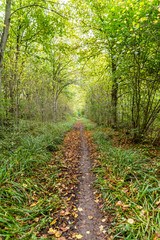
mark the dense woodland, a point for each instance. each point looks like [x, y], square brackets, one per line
[61, 60]
[109, 49]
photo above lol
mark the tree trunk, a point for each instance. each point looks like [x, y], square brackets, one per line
[114, 96]
[16, 77]
[4, 38]
[55, 109]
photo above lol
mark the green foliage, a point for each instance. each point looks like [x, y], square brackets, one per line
[129, 183]
[126, 33]
[28, 178]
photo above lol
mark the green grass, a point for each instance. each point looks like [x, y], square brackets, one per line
[129, 183]
[29, 181]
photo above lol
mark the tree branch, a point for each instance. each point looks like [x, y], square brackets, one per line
[36, 5]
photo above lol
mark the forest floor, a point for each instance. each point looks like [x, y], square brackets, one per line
[113, 188]
[78, 181]
[82, 217]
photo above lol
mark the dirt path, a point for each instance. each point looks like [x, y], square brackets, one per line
[89, 224]
[79, 216]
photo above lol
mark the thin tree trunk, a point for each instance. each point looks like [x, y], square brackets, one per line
[55, 109]
[16, 79]
[114, 95]
[4, 38]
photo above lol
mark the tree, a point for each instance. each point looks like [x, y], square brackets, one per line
[127, 32]
[4, 37]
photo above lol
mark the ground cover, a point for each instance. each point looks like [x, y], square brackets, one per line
[29, 178]
[128, 181]
[47, 192]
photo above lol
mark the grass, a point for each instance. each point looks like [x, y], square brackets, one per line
[29, 181]
[129, 182]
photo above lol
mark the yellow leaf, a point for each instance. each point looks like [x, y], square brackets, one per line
[33, 204]
[58, 234]
[90, 217]
[110, 238]
[78, 236]
[140, 207]
[3, 25]
[51, 231]
[75, 215]
[53, 222]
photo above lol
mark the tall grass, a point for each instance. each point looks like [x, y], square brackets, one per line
[129, 182]
[29, 192]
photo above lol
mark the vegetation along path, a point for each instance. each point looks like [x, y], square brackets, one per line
[82, 212]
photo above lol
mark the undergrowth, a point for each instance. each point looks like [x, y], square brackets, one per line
[129, 182]
[29, 182]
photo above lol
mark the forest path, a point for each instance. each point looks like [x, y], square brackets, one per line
[89, 224]
[79, 216]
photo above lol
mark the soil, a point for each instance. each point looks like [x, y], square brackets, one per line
[89, 224]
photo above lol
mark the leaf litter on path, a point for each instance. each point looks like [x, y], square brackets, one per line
[80, 216]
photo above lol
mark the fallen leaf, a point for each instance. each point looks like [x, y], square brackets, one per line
[36, 219]
[78, 236]
[156, 236]
[53, 222]
[51, 231]
[75, 215]
[101, 228]
[126, 206]
[64, 229]
[45, 236]
[119, 203]
[90, 217]
[131, 221]
[58, 234]
[158, 202]
[110, 238]
[33, 204]
[80, 209]
[139, 207]
[88, 232]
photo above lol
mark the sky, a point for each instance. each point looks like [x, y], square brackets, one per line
[1, 12]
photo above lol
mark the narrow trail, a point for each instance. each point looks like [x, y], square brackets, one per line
[89, 224]
[80, 215]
